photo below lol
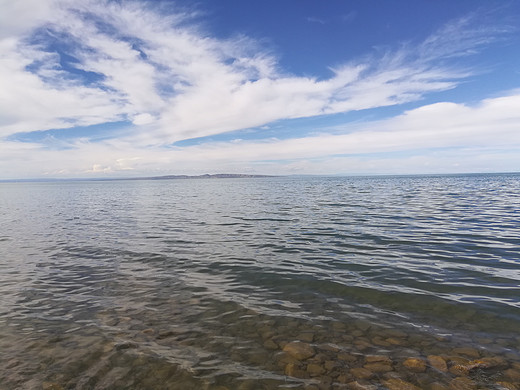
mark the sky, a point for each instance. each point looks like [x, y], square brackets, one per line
[98, 88]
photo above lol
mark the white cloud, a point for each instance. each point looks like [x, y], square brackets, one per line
[174, 82]
[196, 85]
[442, 137]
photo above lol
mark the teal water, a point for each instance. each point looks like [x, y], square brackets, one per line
[201, 284]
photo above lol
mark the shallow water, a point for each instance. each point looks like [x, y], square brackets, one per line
[206, 284]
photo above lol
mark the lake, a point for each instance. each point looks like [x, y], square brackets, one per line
[388, 282]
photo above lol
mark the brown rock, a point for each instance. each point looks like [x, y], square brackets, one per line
[462, 383]
[415, 364]
[380, 342]
[294, 370]
[457, 360]
[344, 378]
[363, 325]
[329, 347]
[361, 373]
[471, 352]
[358, 386]
[459, 370]
[347, 357]
[51, 386]
[378, 359]
[438, 363]
[362, 345]
[270, 344]
[378, 367]
[395, 333]
[331, 365]
[299, 350]
[399, 384]
[508, 385]
[395, 341]
[513, 374]
[437, 386]
[315, 369]
[306, 336]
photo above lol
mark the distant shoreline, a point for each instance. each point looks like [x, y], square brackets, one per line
[165, 177]
[247, 176]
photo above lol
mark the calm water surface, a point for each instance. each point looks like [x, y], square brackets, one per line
[213, 284]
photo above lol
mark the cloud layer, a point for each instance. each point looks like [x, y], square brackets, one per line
[67, 64]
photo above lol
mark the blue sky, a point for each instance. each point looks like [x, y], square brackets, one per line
[130, 88]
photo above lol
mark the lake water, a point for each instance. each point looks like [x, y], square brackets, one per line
[266, 283]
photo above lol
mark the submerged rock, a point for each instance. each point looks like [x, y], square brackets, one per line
[466, 351]
[513, 374]
[437, 386]
[315, 369]
[346, 357]
[438, 363]
[299, 350]
[495, 362]
[508, 385]
[361, 373]
[399, 384]
[378, 359]
[378, 367]
[51, 386]
[295, 371]
[415, 364]
[270, 344]
[462, 383]
[358, 386]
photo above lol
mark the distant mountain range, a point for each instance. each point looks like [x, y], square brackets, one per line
[206, 176]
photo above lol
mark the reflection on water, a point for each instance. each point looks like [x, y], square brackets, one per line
[315, 283]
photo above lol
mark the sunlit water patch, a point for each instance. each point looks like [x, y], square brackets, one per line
[271, 283]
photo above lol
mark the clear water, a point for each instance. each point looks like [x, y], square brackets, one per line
[200, 284]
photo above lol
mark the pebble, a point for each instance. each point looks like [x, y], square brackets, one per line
[126, 345]
[330, 347]
[270, 344]
[513, 374]
[395, 341]
[307, 336]
[462, 384]
[362, 345]
[358, 386]
[51, 386]
[415, 364]
[294, 370]
[331, 365]
[395, 333]
[361, 373]
[399, 384]
[315, 369]
[344, 378]
[378, 367]
[299, 350]
[438, 363]
[459, 370]
[437, 386]
[471, 352]
[380, 342]
[508, 385]
[347, 357]
[378, 359]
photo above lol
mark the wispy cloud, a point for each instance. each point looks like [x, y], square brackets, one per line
[313, 19]
[434, 138]
[71, 64]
